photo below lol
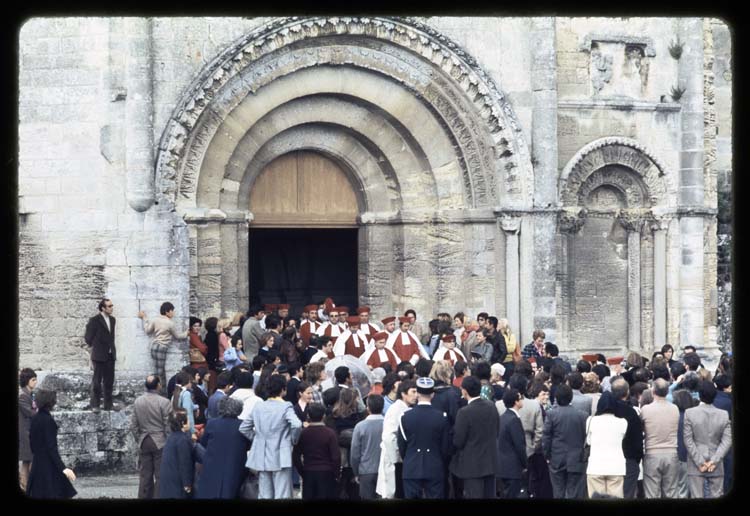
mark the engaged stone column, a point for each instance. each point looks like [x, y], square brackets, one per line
[569, 223]
[633, 225]
[659, 228]
[511, 227]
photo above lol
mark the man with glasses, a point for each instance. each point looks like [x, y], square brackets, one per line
[100, 338]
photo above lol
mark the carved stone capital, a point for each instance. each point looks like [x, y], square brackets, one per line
[658, 223]
[510, 225]
[632, 221]
[571, 220]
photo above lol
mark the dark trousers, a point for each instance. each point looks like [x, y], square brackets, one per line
[728, 471]
[347, 488]
[318, 485]
[431, 488]
[149, 461]
[511, 487]
[479, 488]
[540, 486]
[457, 491]
[367, 484]
[566, 484]
[630, 485]
[104, 372]
[399, 467]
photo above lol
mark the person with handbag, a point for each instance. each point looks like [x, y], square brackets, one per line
[197, 349]
[605, 472]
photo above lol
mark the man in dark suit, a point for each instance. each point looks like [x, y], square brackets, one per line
[511, 444]
[475, 432]
[424, 444]
[100, 338]
[563, 438]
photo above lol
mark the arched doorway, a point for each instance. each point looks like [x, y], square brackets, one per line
[427, 140]
[303, 238]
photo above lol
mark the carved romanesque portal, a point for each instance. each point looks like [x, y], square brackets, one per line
[611, 193]
[429, 143]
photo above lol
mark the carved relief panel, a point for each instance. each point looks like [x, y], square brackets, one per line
[619, 66]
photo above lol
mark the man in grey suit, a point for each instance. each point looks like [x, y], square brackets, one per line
[364, 456]
[708, 436]
[563, 439]
[580, 401]
[149, 425]
[251, 331]
[274, 428]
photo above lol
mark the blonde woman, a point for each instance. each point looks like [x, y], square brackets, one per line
[222, 327]
[511, 345]
[469, 336]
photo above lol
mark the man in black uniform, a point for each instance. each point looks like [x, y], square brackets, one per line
[100, 338]
[424, 442]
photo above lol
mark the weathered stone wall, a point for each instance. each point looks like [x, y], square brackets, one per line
[600, 258]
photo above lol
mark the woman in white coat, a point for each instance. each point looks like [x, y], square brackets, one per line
[389, 483]
[605, 473]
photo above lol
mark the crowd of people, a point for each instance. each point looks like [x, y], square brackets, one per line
[457, 410]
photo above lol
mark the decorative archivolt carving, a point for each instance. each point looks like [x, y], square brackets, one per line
[620, 162]
[629, 185]
[508, 153]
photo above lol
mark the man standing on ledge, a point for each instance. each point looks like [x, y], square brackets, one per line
[163, 329]
[100, 338]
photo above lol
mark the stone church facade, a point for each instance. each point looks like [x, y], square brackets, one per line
[563, 172]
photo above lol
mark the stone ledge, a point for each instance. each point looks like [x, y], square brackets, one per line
[619, 104]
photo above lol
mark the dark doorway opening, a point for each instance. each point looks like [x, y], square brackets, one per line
[303, 266]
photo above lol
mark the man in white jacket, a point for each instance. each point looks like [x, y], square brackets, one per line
[390, 484]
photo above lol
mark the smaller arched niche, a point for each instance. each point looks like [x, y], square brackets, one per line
[303, 189]
[608, 191]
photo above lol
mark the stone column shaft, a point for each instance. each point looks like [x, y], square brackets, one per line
[526, 283]
[634, 290]
[660, 288]
[512, 270]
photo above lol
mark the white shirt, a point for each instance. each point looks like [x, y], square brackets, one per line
[106, 321]
[473, 399]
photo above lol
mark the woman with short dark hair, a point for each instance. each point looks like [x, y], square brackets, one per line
[177, 459]
[26, 410]
[49, 478]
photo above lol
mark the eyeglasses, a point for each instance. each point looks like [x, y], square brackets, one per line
[108, 306]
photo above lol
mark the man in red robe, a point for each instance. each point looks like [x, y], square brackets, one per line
[375, 356]
[405, 344]
[365, 325]
[331, 327]
[311, 325]
[389, 325]
[448, 351]
[352, 341]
